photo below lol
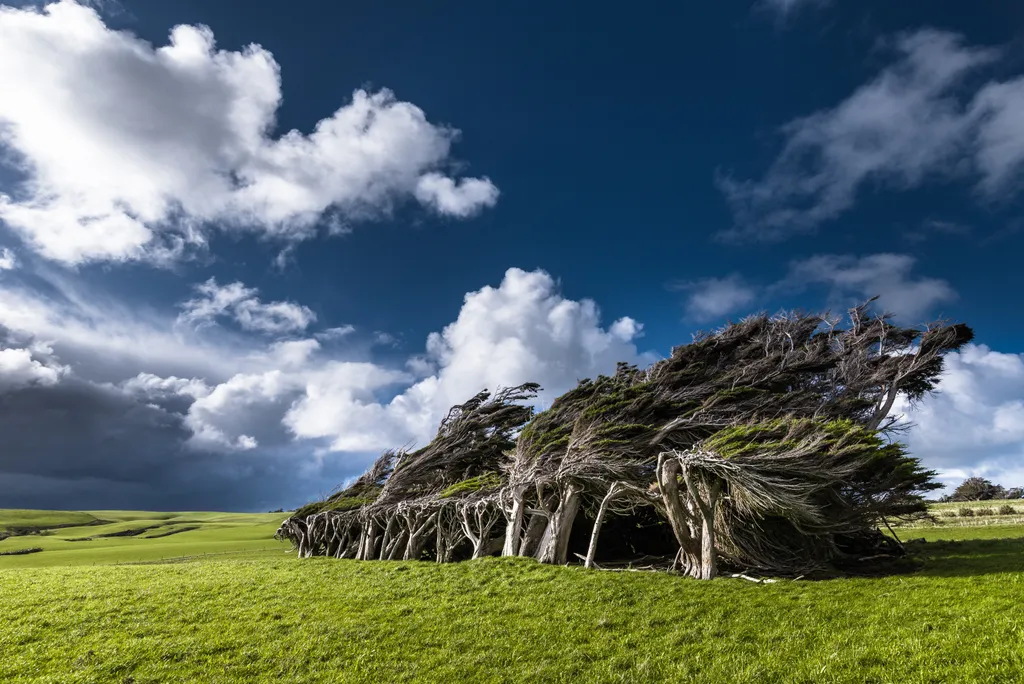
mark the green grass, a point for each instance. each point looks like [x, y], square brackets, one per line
[991, 503]
[942, 511]
[13, 518]
[965, 532]
[510, 620]
[166, 536]
[250, 613]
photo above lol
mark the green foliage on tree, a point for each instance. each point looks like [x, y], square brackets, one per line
[762, 445]
[980, 489]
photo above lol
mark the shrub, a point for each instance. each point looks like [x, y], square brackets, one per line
[966, 512]
[21, 552]
[1007, 509]
[985, 511]
[948, 514]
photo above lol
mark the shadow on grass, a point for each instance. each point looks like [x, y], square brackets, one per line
[969, 557]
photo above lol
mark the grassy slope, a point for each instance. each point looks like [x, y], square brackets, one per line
[197, 534]
[22, 519]
[511, 620]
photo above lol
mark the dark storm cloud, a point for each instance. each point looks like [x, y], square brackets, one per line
[76, 429]
[81, 445]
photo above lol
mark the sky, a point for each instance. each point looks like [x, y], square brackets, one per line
[241, 253]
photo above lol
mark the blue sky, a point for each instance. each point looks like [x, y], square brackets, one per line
[241, 252]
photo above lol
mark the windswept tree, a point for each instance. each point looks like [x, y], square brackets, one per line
[392, 510]
[763, 445]
[978, 489]
[784, 495]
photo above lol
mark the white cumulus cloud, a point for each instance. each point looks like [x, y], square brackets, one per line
[20, 368]
[240, 303]
[460, 199]
[974, 425]
[8, 261]
[236, 392]
[129, 151]
[153, 386]
[523, 330]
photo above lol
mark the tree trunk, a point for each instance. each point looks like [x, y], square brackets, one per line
[483, 519]
[361, 548]
[668, 485]
[346, 543]
[371, 541]
[513, 533]
[389, 534]
[613, 492]
[338, 538]
[883, 410]
[708, 568]
[482, 544]
[447, 533]
[306, 544]
[300, 530]
[397, 547]
[534, 533]
[554, 545]
[367, 540]
[690, 553]
[689, 545]
[708, 555]
[419, 528]
[414, 548]
[440, 545]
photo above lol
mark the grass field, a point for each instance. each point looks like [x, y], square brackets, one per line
[19, 519]
[981, 513]
[107, 537]
[269, 617]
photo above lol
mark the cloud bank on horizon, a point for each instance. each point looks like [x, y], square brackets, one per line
[168, 404]
[125, 152]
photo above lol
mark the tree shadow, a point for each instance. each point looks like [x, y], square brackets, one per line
[969, 557]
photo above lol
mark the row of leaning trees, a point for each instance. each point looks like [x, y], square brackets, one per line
[763, 446]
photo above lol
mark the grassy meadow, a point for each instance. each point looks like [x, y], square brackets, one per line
[107, 537]
[244, 611]
[978, 513]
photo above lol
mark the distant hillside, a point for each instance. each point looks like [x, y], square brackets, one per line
[21, 521]
[111, 537]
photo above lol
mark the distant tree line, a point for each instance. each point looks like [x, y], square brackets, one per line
[980, 489]
[764, 446]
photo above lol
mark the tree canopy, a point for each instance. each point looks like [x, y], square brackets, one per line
[980, 489]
